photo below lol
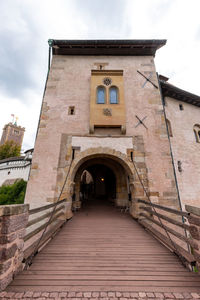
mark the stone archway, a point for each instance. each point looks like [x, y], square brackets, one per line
[115, 160]
[114, 179]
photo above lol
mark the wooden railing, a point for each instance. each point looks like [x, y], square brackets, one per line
[171, 227]
[49, 218]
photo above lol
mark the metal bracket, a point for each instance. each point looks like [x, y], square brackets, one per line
[147, 79]
[141, 121]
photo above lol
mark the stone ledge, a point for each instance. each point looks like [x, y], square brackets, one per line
[91, 295]
[14, 209]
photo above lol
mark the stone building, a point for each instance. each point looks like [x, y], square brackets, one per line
[103, 113]
[12, 132]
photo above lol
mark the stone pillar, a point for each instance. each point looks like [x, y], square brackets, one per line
[13, 221]
[77, 202]
[194, 221]
[135, 208]
[69, 194]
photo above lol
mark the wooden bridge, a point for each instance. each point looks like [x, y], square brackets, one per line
[103, 249]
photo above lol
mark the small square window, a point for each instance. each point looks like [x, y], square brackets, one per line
[16, 132]
[71, 110]
[181, 107]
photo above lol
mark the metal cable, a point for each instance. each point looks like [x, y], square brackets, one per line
[172, 156]
[146, 193]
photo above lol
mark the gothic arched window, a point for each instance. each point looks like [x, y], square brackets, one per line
[113, 95]
[196, 129]
[101, 92]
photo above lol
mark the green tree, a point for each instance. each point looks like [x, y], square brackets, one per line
[9, 149]
[13, 194]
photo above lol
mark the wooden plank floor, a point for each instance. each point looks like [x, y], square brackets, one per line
[102, 249]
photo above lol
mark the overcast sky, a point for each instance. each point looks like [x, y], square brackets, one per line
[26, 26]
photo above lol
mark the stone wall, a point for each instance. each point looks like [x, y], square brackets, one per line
[12, 171]
[69, 85]
[185, 149]
[13, 221]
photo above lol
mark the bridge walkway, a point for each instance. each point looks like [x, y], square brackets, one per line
[102, 249]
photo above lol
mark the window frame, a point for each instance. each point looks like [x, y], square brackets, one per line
[109, 93]
[103, 87]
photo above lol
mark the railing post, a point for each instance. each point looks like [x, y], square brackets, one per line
[13, 221]
[194, 229]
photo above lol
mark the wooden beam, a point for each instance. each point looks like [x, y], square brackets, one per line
[40, 228]
[170, 220]
[39, 209]
[171, 210]
[172, 231]
[49, 234]
[165, 240]
[36, 220]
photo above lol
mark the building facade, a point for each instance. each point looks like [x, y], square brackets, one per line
[183, 117]
[103, 113]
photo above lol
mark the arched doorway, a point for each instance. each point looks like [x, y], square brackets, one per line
[101, 178]
[128, 188]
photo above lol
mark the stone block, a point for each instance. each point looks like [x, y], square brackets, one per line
[5, 281]
[15, 209]
[8, 238]
[4, 266]
[169, 194]
[44, 117]
[7, 253]
[156, 194]
[34, 166]
[12, 234]
[13, 223]
[42, 125]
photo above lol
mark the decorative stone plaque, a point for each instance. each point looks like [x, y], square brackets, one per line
[107, 81]
[107, 111]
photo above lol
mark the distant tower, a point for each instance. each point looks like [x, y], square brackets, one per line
[12, 132]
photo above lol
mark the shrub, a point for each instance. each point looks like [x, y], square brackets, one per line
[13, 194]
[9, 149]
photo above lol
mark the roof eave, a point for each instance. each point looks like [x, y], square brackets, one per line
[106, 47]
[174, 92]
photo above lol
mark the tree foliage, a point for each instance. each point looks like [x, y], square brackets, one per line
[13, 194]
[9, 149]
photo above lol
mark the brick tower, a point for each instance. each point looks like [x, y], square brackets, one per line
[12, 132]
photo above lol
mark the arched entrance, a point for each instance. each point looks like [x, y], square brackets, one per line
[101, 177]
[124, 187]
[98, 182]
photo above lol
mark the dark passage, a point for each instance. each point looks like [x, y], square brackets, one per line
[98, 182]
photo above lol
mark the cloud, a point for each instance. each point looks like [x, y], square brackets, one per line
[26, 25]
[178, 22]
[105, 19]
